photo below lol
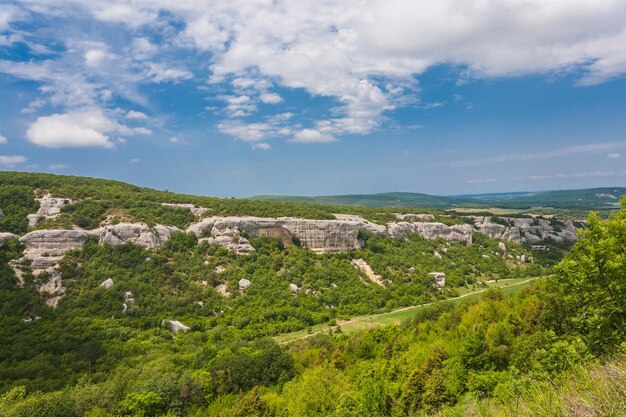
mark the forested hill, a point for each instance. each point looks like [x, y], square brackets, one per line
[602, 199]
[118, 300]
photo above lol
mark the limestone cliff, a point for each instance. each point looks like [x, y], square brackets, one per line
[524, 230]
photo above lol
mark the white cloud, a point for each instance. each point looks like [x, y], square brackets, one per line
[95, 57]
[133, 161]
[136, 115]
[58, 167]
[363, 54]
[174, 139]
[88, 128]
[159, 73]
[312, 136]
[11, 161]
[271, 98]
[614, 155]
[261, 146]
[142, 131]
[3, 140]
[481, 181]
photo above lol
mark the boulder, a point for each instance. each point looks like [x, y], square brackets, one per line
[293, 288]
[175, 326]
[439, 277]
[501, 247]
[243, 284]
[108, 283]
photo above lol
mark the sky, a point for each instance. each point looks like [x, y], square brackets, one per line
[316, 97]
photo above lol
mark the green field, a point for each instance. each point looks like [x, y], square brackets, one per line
[508, 286]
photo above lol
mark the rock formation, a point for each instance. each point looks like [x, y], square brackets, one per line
[364, 267]
[49, 208]
[4, 236]
[524, 230]
[137, 233]
[108, 283]
[196, 211]
[175, 326]
[243, 284]
[439, 277]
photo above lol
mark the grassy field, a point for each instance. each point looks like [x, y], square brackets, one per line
[508, 286]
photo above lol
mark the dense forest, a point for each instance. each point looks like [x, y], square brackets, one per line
[557, 347]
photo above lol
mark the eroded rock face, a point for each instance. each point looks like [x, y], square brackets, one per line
[137, 233]
[175, 326]
[461, 233]
[4, 236]
[196, 211]
[53, 242]
[49, 208]
[523, 230]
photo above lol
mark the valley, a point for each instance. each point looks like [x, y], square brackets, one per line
[146, 294]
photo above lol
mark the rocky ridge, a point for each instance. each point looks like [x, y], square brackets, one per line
[45, 248]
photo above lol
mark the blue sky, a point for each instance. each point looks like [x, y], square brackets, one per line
[237, 98]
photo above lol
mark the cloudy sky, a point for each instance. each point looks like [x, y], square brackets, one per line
[237, 98]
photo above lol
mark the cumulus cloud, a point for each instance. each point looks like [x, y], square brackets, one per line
[78, 129]
[11, 161]
[261, 146]
[136, 115]
[614, 155]
[362, 54]
[85, 128]
[312, 136]
[3, 140]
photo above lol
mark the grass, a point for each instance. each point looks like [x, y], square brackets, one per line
[356, 324]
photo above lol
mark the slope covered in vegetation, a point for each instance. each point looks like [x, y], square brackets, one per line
[91, 357]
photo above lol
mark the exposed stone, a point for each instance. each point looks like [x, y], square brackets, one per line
[137, 233]
[364, 267]
[196, 211]
[416, 217]
[293, 288]
[461, 233]
[1, 213]
[437, 255]
[53, 242]
[439, 277]
[243, 284]
[501, 247]
[200, 303]
[49, 208]
[129, 299]
[223, 290]
[108, 283]
[27, 320]
[175, 326]
[524, 230]
[4, 236]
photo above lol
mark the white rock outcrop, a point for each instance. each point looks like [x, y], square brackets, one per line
[525, 230]
[294, 288]
[439, 277]
[108, 283]
[196, 211]
[49, 208]
[4, 236]
[243, 284]
[175, 326]
[137, 233]
[364, 267]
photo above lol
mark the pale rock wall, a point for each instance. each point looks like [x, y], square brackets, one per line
[524, 230]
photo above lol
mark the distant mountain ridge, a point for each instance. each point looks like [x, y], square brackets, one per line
[602, 198]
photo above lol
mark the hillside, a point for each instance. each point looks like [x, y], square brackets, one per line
[120, 300]
[601, 199]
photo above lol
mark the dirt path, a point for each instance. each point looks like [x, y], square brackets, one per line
[374, 316]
